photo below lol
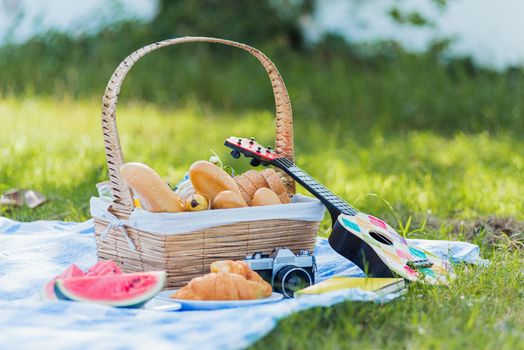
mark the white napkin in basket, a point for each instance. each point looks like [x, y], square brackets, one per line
[301, 208]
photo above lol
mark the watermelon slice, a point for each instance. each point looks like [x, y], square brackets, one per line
[102, 268]
[124, 290]
[48, 292]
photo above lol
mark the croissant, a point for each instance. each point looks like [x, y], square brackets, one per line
[238, 267]
[230, 280]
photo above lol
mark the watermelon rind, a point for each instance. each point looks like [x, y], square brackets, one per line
[47, 293]
[63, 293]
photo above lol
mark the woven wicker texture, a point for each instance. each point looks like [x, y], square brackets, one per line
[188, 255]
[284, 119]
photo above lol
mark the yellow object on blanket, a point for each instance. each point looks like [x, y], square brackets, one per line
[378, 285]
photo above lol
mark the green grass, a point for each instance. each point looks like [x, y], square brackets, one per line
[55, 146]
[482, 310]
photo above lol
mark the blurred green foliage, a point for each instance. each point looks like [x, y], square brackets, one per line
[368, 86]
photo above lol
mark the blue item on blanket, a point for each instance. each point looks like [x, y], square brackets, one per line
[32, 253]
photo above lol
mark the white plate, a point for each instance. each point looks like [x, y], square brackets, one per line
[215, 304]
[161, 304]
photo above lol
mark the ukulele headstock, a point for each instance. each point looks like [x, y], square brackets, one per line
[251, 149]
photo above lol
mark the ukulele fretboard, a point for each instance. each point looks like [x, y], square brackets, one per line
[328, 198]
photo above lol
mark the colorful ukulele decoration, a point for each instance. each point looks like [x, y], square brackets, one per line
[365, 240]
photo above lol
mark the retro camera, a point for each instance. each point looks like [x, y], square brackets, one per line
[284, 270]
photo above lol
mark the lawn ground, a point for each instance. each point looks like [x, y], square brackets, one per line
[428, 185]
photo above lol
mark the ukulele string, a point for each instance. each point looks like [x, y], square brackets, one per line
[330, 196]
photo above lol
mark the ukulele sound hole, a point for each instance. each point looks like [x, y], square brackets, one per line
[380, 238]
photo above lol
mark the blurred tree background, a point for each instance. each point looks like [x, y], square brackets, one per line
[378, 85]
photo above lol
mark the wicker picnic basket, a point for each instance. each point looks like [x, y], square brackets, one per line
[188, 255]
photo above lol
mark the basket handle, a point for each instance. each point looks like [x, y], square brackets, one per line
[122, 198]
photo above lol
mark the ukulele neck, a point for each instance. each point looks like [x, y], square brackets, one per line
[331, 201]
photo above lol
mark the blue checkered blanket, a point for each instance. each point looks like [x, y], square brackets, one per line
[32, 253]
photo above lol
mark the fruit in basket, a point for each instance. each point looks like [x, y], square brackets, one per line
[197, 202]
[228, 200]
[154, 194]
[130, 290]
[48, 292]
[264, 196]
[210, 180]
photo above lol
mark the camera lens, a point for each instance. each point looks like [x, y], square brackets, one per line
[290, 279]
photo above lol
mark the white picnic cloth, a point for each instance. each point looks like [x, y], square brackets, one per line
[302, 208]
[32, 253]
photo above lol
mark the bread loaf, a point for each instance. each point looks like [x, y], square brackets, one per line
[256, 178]
[264, 196]
[154, 194]
[248, 186]
[210, 180]
[228, 199]
[275, 184]
[245, 196]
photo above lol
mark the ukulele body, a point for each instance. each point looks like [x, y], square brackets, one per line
[380, 251]
[353, 248]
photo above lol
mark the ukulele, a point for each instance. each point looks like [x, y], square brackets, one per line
[367, 241]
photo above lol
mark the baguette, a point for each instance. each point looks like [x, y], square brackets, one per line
[154, 194]
[210, 180]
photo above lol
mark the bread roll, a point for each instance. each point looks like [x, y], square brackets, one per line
[228, 199]
[275, 184]
[264, 196]
[210, 180]
[154, 194]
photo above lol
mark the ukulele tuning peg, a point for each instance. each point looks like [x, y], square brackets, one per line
[235, 154]
[251, 140]
[254, 162]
